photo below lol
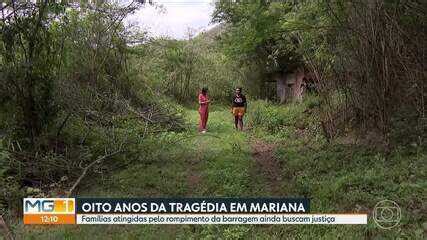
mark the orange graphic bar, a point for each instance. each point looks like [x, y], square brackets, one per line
[49, 219]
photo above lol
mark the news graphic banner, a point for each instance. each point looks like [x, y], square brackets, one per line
[179, 211]
[49, 211]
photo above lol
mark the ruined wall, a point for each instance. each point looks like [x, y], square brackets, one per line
[290, 86]
[282, 90]
[298, 86]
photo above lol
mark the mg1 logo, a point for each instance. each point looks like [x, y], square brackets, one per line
[49, 205]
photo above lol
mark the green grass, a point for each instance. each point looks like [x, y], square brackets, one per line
[345, 178]
[337, 178]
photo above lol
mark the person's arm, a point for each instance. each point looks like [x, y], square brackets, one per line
[203, 101]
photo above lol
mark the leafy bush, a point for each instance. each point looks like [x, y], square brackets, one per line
[282, 119]
[10, 192]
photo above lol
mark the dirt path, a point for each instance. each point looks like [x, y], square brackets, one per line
[194, 178]
[222, 150]
[267, 166]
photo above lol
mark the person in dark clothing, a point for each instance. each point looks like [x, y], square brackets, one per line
[238, 108]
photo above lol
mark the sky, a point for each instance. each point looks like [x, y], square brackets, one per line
[174, 18]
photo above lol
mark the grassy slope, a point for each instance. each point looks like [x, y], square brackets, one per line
[220, 163]
[343, 177]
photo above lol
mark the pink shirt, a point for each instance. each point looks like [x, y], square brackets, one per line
[203, 107]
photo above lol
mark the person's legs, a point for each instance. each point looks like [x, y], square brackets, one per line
[241, 123]
[201, 122]
[205, 120]
[236, 122]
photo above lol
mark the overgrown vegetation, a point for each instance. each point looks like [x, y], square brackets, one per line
[180, 68]
[372, 53]
[343, 176]
[92, 107]
[337, 177]
[70, 98]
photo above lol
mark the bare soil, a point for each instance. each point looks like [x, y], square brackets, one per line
[267, 165]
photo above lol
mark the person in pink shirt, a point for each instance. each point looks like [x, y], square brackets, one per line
[203, 109]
